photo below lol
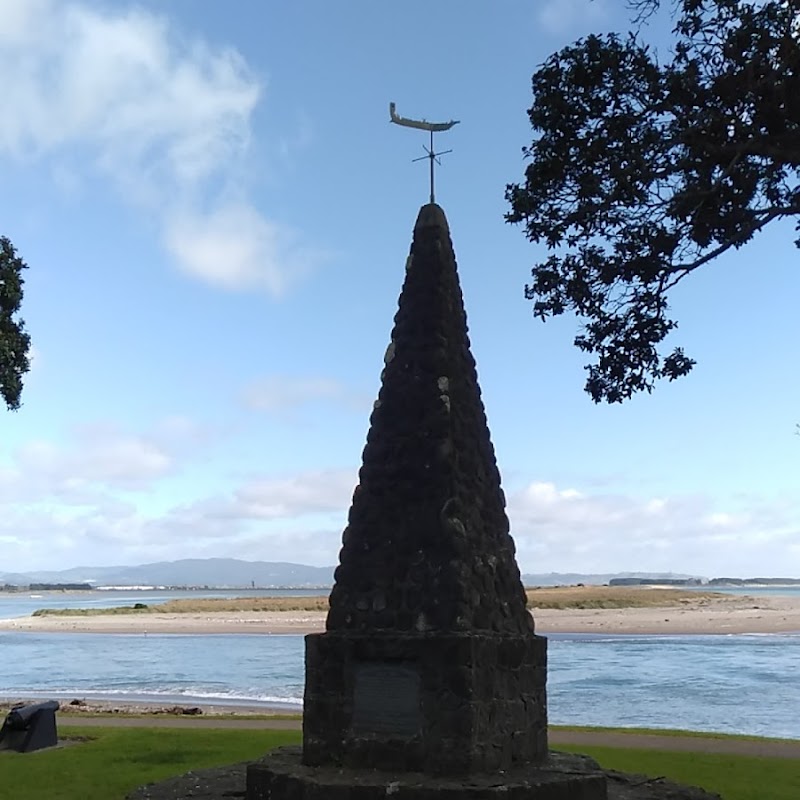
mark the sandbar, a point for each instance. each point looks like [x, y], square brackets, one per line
[730, 614]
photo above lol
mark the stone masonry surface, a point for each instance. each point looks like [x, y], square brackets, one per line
[427, 547]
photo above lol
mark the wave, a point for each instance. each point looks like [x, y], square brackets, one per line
[171, 695]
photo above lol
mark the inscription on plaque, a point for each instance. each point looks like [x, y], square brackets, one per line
[386, 699]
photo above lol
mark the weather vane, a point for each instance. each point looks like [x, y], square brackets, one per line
[424, 125]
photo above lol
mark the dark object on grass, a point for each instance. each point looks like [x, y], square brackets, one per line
[29, 728]
[191, 711]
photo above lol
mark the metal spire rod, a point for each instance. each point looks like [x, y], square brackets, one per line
[431, 127]
[431, 156]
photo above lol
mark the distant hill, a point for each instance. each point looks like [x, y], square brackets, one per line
[216, 572]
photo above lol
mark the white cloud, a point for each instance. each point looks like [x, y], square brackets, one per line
[287, 499]
[96, 459]
[165, 117]
[564, 530]
[122, 82]
[721, 519]
[326, 491]
[121, 461]
[58, 508]
[561, 16]
[19, 20]
[60, 505]
[282, 393]
[263, 520]
[235, 248]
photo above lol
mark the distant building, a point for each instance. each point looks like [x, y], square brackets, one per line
[655, 582]
[60, 587]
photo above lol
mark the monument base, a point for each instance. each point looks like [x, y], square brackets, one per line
[224, 783]
[436, 703]
[281, 775]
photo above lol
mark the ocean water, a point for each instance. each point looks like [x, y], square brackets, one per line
[737, 684]
[734, 684]
[752, 591]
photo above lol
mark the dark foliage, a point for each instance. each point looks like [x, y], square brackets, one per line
[640, 173]
[14, 342]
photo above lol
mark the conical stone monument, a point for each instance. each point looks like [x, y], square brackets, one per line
[429, 679]
[438, 667]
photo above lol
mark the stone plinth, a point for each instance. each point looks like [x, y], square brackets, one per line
[278, 772]
[562, 776]
[438, 703]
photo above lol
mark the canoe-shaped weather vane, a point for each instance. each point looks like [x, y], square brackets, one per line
[424, 125]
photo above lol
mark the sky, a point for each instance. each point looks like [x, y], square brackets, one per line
[216, 213]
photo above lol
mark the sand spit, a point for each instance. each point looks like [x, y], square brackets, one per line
[703, 614]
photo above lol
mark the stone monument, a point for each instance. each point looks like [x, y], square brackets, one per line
[429, 679]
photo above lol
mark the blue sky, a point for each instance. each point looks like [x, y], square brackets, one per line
[216, 214]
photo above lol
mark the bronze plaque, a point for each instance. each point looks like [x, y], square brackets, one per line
[386, 699]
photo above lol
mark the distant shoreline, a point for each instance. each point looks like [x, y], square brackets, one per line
[184, 710]
[72, 589]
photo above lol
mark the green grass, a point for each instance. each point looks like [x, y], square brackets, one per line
[89, 612]
[611, 597]
[551, 597]
[671, 732]
[734, 777]
[114, 761]
[197, 605]
[65, 715]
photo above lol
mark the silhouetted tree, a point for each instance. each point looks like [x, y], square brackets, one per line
[641, 172]
[14, 342]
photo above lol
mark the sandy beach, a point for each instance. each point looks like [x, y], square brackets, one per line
[729, 614]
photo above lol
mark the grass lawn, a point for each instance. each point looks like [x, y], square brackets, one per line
[116, 760]
[563, 597]
[733, 777]
[649, 732]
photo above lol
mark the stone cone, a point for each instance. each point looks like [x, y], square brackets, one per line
[427, 547]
